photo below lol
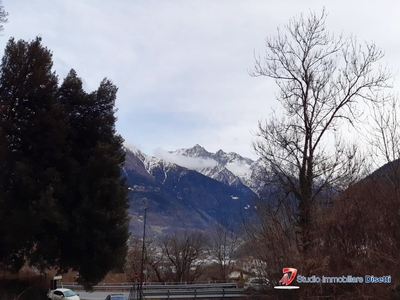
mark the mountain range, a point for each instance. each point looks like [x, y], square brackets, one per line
[229, 168]
[188, 188]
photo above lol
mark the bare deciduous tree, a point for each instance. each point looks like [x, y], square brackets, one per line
[224, 244]
[272, 236]
[321, 79]
[384, 141]
[133, 258]
[155, 263]
[153, 260]
[384, 136]
[183, 250]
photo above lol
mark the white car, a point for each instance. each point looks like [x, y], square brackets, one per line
[62, 294]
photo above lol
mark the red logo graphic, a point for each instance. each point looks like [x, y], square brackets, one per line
[285, 279]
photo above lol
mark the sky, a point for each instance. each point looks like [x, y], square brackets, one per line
[182, 67]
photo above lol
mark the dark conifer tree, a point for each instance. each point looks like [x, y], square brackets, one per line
[31, 141]
[99, 231]
[107, 192]
[63, 202]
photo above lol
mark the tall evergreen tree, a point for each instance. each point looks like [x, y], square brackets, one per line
[63, 202]
[31, 142]
[98, 194]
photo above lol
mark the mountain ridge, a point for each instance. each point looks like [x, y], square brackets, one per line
[178, 197]
[230, 168]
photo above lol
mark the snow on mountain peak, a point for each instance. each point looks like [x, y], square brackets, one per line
[230, 168]
[135, 151]
[196, 151]
[193, 159]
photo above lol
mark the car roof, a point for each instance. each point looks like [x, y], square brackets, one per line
[62, 289]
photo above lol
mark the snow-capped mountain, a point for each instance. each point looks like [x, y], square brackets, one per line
[229, 168]
[178, 197]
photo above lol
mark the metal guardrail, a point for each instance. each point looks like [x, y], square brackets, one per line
[98, 288]
[152, 286]
[193, 293]
[170, 290]
[100, 284]
[189, 286]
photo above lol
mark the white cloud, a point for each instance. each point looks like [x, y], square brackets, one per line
[181, 66]
[238, 168]
[132, 146]
[192, 163]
